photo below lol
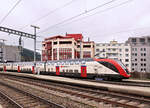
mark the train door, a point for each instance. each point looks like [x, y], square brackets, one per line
[18, 68]
[4, 68]
[57, 70]
[83, 71]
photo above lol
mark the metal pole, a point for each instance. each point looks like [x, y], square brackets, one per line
[35, 27]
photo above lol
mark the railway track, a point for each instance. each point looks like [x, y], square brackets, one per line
[90, 95]
[23, 99]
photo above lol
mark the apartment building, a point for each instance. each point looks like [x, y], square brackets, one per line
[70, 46]
[140, 53]
[114, 50]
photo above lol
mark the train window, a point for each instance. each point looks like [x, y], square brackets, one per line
[75, 71]
[71, 63]
[71, 71]
[76, 63]
[109, 65]
[83, 62]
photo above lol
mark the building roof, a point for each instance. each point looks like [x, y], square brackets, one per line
[75, 36]
[55, 37]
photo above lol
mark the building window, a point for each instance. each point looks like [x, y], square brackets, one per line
[132, 64]
[135, 54]
[144, 69]
[127, 65]
[135, 59]
[141, 54]
[132, 69]
[144, 59]
[141, 69]
[55, 54]
[133, 40]
[55, 43]
[65, 42]
[65, 53]
[142, 40]
[141, 59]
[114, 49]
[126, 50]
[86, 46]
[141, 49]
[97, 44]
[126, 60]
[144, 54]
[86, 54]
[78, 46]
[127, 55]
[144, 64]
[120, 50]
[141, 64]
[135, 64]
[135, 49]
[97, 50]
[144, 49]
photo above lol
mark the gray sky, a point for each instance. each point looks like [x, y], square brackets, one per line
[108, 22]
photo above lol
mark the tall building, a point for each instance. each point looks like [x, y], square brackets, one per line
[70, 46]
[11, 53]
[1, 51]
[140, 53]
[114, 50]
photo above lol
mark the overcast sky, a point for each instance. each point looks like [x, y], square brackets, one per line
[117, 20]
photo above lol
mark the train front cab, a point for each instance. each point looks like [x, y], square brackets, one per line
[116, 66]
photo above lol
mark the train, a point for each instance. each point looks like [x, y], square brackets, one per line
[103, 68]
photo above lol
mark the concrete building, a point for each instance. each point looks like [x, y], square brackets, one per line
[140, 53]
[114, 50]
[12, 53]
[1, 51]
[70, 46]
[9, 53]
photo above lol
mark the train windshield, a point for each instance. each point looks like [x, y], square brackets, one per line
[122, 65]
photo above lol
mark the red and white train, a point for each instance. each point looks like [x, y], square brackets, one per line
[108, 69]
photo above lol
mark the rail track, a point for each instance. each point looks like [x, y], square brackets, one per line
[89, 95]
[23, 99]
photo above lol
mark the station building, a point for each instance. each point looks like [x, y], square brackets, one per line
[70, 46]
[114, 50]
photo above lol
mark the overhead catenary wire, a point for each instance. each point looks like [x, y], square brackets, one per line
[49, 13]
[71, 18]
[101, 11]
[9, 12]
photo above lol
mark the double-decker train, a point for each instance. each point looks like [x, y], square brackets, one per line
[107, 69]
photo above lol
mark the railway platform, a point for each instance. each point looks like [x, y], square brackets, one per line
[136, 80]
[141, 91]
